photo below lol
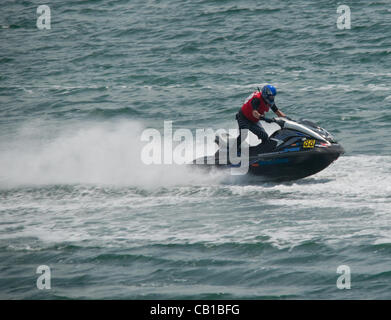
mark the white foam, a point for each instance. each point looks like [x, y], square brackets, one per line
[348, 201]
[95, 153]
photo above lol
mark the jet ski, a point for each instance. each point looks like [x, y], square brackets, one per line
[295, 150]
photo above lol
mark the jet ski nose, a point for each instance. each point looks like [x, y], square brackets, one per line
[336, 150]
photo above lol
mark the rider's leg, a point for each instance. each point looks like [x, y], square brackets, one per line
[243, 123]
[260, 132]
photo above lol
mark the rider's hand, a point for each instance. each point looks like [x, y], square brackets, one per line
[256, 114]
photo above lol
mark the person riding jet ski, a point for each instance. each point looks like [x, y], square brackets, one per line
[253, 110]
[295, 149]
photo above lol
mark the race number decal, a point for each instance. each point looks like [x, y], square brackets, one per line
[309, 143]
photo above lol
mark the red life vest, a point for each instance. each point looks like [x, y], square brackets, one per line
[247, 107]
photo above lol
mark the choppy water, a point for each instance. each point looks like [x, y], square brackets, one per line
[75, 196]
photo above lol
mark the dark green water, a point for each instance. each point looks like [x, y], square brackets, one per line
[74, 195]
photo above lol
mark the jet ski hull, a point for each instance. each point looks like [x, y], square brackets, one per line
[285, 166]
[295, 151]
[295, 165]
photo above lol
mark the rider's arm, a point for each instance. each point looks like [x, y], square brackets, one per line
[255, 104]
[280, 113]
[277, 111]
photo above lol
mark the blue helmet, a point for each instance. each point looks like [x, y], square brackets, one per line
[268, 93]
